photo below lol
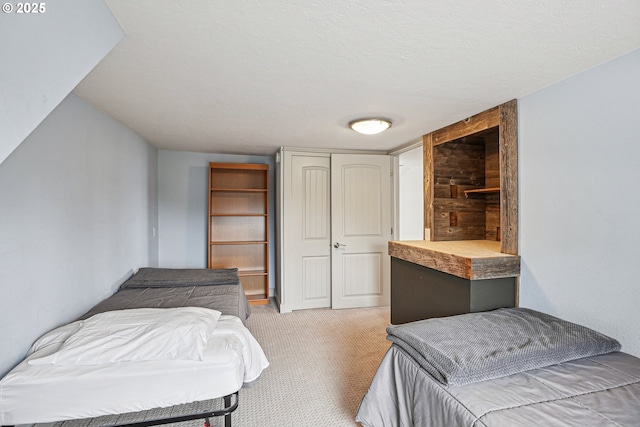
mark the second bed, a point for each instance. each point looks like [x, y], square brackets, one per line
[503, 368]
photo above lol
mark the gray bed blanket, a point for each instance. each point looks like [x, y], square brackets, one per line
[474, 347]
[168, 288]
[161, 277]
[599, 391]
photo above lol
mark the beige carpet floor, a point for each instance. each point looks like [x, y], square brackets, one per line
[321, 364]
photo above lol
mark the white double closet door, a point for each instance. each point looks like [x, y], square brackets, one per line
[336, 224]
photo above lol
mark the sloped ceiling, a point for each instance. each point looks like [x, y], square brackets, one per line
[44, 56]
[248, 76]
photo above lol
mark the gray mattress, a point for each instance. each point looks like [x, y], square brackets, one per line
[169, 288]
[504, 368]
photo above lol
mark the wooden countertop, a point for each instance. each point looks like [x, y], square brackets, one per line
[469, 259]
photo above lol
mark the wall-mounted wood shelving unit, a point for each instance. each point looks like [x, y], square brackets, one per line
[471, 179]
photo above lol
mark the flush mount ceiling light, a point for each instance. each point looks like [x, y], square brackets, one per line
[370, 126]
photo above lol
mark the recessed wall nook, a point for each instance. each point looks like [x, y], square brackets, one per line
[468, 260]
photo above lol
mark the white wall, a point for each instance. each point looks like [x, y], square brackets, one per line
[77, 201]
[183, 188]
[579, 154]
[44, 56]
[411, 195]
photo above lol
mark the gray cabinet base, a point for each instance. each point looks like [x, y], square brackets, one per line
[419, 293]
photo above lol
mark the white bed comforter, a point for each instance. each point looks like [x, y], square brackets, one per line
[47, 392]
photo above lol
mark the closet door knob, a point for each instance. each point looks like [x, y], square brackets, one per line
[337, 245]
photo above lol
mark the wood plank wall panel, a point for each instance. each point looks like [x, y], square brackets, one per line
[492, 212]
[492, 159]
[459, 162]
[427, 155]
[492, 180]
[509, 177]
[458, 165]
[480, 122]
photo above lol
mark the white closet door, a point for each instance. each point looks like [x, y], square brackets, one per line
[361, 229]
[307, 225]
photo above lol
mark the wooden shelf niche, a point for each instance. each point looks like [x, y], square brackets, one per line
[238, 224]
[470, 179]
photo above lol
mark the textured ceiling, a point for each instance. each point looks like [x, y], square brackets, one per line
[248, 76]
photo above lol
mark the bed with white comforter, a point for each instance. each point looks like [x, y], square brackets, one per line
[135, 358]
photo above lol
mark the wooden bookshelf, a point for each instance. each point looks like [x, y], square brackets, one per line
[239, 224]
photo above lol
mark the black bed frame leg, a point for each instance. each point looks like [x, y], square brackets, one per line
[227, 418]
